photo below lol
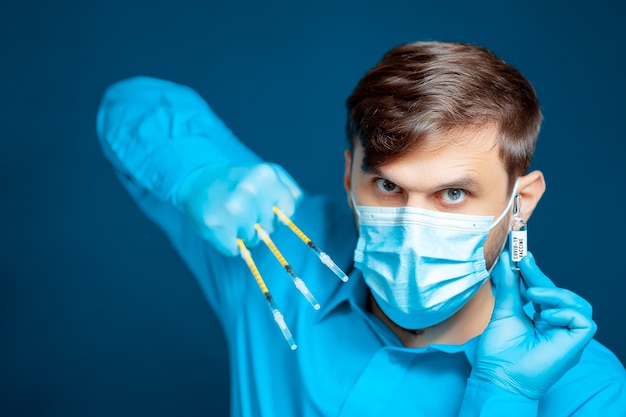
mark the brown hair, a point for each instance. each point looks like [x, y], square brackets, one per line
[423, 88]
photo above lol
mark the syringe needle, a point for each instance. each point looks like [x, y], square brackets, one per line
[278, 317]
[280, 320]
[324, 258]
[299, 283]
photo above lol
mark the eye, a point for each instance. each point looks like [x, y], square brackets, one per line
[387, 186]
[453, 195]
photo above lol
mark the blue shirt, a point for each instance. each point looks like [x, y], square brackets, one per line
[348, 363]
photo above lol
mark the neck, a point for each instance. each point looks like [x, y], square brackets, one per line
[470, 321]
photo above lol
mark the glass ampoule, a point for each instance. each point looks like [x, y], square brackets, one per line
[518, 239]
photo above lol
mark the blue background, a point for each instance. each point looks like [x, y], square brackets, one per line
[98, 315]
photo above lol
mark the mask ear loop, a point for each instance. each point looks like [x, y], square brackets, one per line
[354, 206]
[506, 211]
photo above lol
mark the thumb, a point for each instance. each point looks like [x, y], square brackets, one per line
[506, 280]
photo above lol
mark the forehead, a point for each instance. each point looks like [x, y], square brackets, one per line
[465, 156]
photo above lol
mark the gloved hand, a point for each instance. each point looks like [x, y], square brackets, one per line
[225, 202]
[527, 356]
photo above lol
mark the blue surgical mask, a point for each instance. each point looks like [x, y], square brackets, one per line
[421, 265]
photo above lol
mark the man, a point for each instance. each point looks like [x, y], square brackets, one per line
[433, 320]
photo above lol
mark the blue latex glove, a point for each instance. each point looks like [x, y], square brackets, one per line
[225, 202]
[527, 356]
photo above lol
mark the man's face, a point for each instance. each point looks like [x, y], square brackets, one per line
[466, 175]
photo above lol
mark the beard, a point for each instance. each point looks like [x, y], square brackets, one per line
[496, 241]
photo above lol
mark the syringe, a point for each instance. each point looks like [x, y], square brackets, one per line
[323, 257]
[278, 317]
[299, 283]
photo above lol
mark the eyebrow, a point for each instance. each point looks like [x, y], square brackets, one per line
[464, 183]
[468, 182]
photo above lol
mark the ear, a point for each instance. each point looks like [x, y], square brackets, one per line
[531, 187]
[347, 174]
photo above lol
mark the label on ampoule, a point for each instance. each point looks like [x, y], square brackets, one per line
[518, 245]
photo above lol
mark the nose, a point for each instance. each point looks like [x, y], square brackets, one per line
[418, 200]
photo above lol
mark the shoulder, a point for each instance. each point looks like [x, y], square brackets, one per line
[597, 353]
[599, 364]
[594, 386]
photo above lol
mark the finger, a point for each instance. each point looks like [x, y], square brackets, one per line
[541, 326]
[223, 240]
[266, 216]
[223, 235]
[271, 186]
[531, 273]
[295, 193]
[241, 211]
[289, 198]
[559, 298]
[506, 281]
[577, 323]
[286, 204]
